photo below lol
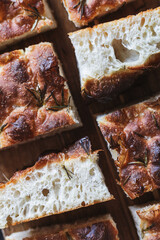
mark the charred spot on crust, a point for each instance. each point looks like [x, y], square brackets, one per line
[18, 71]
[138, 182]
[100, 231]
[20, 130]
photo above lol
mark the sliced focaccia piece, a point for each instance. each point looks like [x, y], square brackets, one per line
[81, 12]
[99, 228]
[147, 221]
[34, 96]
[133, 137]
[23, 18]
[111, 55]
[57, 183]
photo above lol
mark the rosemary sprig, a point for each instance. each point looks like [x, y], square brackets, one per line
[140, 161]
[148, 228]
[37, 94]
[3, 127]
[68, 236]
[126, 180]
[34, 13]
[68, 172]
[136, 163]
[80, 7]
[138, 134]
[156, 122]
[59, 106]
[85, 144]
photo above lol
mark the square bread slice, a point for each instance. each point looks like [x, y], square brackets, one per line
[99, 228]
[147, 221]
[55, 184]
[133, 138]
[25, 18]
[111, 55]
[34, 97]
[81, 12]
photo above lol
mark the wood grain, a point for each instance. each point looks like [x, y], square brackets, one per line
[19, 157]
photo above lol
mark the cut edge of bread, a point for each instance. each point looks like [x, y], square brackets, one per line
[110, 58]
[64, 182]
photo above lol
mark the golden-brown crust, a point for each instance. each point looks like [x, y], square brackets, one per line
[100, 228]
[150, 222]
[109, 87]
[134, 133]
[19, 17]
[27, 113]
[97, 231]
[91, 10]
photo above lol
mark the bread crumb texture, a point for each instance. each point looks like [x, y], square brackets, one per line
[57, 183]
[112, 54]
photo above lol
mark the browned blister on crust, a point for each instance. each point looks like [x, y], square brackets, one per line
[33, 94]
[81, 12]
[133, 133]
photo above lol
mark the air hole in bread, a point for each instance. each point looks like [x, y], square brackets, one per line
[83, 204]
[91, 172]
[158, 45]
[122, 53]
[45, 192]
[90, 46]
[9, 221]
[144, 35]
[25, 211]
[16, 194]
[27, 178]
[153, 32]
[27, 198]
[142, 21]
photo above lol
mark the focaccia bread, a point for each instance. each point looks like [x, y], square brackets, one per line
[34, 97]
[111, 55]
[133, 137]
[99, 228]
[81, 12]
[23, 18]
[147, 221]
[56, 183]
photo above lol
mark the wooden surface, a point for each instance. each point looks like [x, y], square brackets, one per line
[19, 157]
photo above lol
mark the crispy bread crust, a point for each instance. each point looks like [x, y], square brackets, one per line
[25, 115]
[134, 133]
[99, 228]
[92, 9]
[18, 18]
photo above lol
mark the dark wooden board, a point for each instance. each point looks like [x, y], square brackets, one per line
[19, 157]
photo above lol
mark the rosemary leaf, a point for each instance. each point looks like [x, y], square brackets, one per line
[3, 127]
[126, 180]
[56, 108]
[136, 163]
[35, 94]
[68, 172]
[148, 228]
[156, 122]
[138, 134]
[85, 144]
[80, 6]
